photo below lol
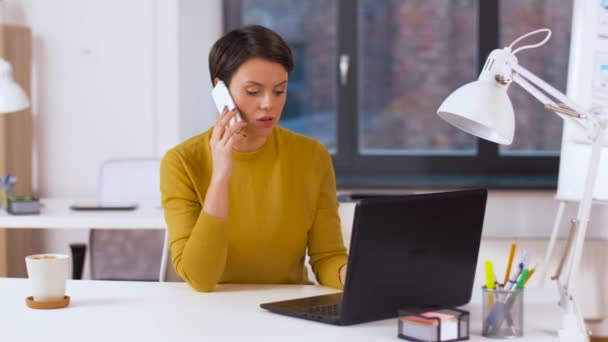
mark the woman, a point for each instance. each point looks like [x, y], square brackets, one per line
[243, 202]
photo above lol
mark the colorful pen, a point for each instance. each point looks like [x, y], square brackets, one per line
[490, 280]
[511, 255]
[532, 270]
[520, 268]
[525, 275]
[490, 283]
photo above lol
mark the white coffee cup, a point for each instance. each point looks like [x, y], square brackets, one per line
[48, 274]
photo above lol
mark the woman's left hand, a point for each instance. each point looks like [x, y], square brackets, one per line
[343, 274]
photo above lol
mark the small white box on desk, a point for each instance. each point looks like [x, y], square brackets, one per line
[433, 325]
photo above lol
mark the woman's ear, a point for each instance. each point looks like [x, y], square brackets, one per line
[215, 80]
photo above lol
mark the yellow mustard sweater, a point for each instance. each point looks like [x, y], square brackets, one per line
[282, 200]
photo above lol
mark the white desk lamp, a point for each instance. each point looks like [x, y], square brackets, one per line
[12, 97]
[482, 108]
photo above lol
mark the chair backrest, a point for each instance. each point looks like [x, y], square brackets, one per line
[130, 180]
[127, 254]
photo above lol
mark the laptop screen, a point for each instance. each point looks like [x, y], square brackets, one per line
[415, 250]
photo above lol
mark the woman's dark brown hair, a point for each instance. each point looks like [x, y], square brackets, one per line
[238, 46]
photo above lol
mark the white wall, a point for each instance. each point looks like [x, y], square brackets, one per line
[185, 33]
[197, 35]
[114, 79]
[94, 82]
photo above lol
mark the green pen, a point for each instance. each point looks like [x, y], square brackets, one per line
[522, 279]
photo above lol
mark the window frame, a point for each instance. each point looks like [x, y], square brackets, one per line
[487, 168]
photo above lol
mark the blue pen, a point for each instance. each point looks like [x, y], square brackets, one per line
[7, 180]
[516, 273]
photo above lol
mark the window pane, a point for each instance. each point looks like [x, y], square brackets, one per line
[412, 55]
[537, 131]
[309, 27]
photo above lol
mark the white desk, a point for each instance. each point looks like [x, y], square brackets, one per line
[152, 311]
[56, 214]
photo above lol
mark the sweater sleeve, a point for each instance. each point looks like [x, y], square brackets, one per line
[197, 240]
[325, 245]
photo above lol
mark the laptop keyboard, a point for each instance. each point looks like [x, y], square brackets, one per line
[325, 310]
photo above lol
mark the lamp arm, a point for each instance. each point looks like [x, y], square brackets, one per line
[584, 209]
[540, 96]
[549, 89]
[573, 324]
[550, 104]
[595, 126]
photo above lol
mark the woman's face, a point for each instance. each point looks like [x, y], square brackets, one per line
[258, 88]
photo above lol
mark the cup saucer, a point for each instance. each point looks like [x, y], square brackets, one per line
[56, 304]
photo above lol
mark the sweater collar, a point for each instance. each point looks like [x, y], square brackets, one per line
[266, 149]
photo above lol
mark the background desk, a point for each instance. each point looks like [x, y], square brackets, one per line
[151, 311]
[56, 214]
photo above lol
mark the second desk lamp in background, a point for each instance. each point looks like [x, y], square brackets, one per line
[12, 97]
[483, 108]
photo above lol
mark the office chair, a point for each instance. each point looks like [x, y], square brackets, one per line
[127, 254]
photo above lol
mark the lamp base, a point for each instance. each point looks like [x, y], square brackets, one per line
[571, 330]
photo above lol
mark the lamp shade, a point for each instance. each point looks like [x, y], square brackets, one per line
[483, 109]
[12, 97]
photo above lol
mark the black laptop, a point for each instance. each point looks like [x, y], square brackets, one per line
[415, 250]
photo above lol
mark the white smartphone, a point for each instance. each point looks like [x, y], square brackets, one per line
[222, 99]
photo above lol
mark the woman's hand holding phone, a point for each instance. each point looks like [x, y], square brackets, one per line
[222, 141]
